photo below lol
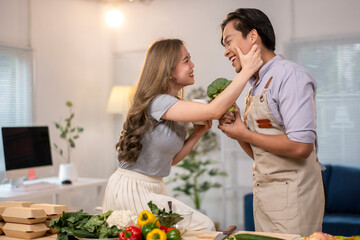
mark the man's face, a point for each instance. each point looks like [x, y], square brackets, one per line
[233, 38]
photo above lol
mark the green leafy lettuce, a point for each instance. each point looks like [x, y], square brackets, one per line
[83, 225]
[167, 219]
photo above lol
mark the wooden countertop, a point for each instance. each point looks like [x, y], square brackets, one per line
[194, 235]
[189, 235]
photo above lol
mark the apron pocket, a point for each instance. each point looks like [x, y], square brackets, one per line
[272, 196]
[277, 198]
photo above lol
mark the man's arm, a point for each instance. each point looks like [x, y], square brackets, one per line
[229, 118]
[247, 148]
[277, 144]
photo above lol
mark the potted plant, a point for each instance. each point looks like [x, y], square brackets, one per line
[198, 171]
[69, 133]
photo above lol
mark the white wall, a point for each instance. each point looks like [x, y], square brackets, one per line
[74, 53]
[73, 48]
[14, 23]
[73, 61]
[198, 24]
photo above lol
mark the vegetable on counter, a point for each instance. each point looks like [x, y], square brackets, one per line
[325, 236]
[172, 228]
[245, 236]
[167, 219]
[173, 234]
[216, 87]
[156, 234]
[122, 219]
[146, 217]
[130, 233]
[164, 229]
[147, 228]
[83, 225]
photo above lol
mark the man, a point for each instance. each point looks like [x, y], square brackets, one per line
[278, 131]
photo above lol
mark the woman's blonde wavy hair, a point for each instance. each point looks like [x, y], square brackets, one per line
[161, 59]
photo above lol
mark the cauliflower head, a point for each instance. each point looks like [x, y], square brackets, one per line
[122, 219]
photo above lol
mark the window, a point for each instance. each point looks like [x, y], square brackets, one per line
[335, 65]
[15, 90]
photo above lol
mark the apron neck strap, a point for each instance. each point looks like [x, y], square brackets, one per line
[268, 83]
[265, 88]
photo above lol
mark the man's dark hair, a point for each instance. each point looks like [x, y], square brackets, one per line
[247, 19]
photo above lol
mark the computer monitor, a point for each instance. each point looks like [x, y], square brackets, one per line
[25, 148]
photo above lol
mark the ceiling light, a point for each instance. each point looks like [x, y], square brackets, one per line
[114, 18]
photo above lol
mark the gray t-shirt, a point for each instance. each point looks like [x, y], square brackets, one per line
[161, 144]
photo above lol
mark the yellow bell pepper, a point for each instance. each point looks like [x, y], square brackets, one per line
[156, 234]
[146, 217]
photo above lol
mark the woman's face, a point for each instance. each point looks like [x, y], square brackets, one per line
[184, 72]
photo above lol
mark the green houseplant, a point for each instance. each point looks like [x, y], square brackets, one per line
[198, 172]
[68, 133]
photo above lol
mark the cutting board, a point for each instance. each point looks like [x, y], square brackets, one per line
[277, 235]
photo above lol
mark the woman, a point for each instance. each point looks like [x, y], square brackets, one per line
[153, 136]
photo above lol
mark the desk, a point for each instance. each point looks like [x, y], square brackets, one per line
[7, 195]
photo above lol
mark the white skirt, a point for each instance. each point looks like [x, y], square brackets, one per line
[130, 190]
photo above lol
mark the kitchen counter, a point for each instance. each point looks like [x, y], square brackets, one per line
[194, 235]
[189, 235]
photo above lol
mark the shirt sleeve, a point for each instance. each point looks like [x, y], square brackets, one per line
[160, 104]
[297, 105]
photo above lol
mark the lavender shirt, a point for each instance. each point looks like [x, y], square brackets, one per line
[291, 98]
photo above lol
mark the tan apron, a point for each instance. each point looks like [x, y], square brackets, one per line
[288, 193]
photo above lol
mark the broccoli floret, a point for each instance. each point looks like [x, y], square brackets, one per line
[216, 87]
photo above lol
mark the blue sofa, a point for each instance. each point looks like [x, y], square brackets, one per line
[342, 211]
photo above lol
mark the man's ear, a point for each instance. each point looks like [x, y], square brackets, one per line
[253, 35]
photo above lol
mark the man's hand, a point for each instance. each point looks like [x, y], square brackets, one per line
[237, 129]
[227, 118]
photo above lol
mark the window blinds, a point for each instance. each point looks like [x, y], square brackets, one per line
[335, 65]
[16, 71]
